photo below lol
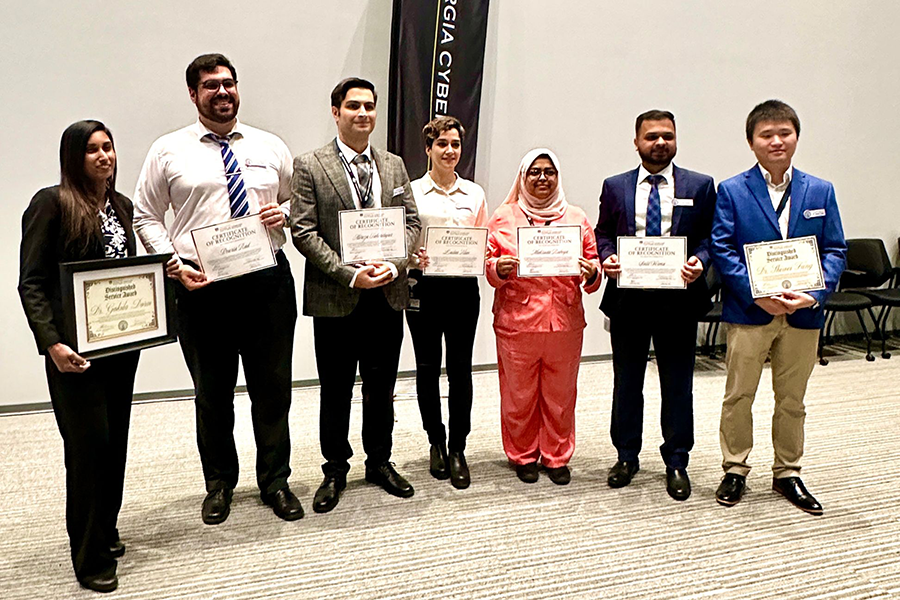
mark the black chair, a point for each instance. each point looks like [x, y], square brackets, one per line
[714, 317]
[869, 270]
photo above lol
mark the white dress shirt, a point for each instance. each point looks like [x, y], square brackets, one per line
[666, 200]
[463, 205]
[184, 170]
[775, 194]
[349, 155]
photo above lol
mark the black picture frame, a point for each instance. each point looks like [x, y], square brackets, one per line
[75, 313]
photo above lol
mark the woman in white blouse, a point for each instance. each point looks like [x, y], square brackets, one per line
[445, 308]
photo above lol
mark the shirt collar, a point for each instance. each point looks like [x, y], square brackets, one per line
[431, 186]
[349, 153]
[203, 131]
[668, 172]
[788, 175]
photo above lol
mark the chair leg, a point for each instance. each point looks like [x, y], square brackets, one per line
[829, 321]
[822, 360]
[712, 349]
[883, 319]
[869, 356]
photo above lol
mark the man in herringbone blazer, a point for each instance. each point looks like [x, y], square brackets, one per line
[356, 309]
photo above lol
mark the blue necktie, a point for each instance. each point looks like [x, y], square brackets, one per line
[654, 214]
[237, 194]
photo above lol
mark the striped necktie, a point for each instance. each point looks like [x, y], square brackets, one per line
[363, 171]
[237, 194]
[654, 212]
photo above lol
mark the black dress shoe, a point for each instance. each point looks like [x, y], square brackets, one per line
[438, 466]
[793, 489]
[329, 493]
[559, 475]
[117, 549]
[285, 504]
[216, 506]
[528, 472]
[731, 489]
[677, 484]
[390, 480]
[102, 582]
[459, 471]
[622, 472]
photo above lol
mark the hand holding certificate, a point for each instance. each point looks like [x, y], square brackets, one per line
[233, 248]
[784, 265]
[455, 250]
[549, 251]
[651, 262]
[372, 234]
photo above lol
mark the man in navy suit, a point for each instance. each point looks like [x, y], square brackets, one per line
[656, 199]
[771, 201]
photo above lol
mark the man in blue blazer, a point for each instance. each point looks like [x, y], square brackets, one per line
[656, 199]
[771, 201]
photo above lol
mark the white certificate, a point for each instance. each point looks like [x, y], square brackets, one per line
[455, 250]
[652, 262]
[786, 265]
[233, 248]
[372, 234]
[549, 251]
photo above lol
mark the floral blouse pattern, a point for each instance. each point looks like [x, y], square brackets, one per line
[114, 240]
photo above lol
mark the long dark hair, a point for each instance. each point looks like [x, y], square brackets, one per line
[81, 223]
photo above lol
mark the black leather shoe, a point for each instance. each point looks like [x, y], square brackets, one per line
[622, 472]
[559, 475]
[216, 506]
[677, 484]
[329, 493]
[793, 489]
[117, 549]
[103, 582]
[731, 489]
[438, 466]
[390, 480]
[459, 470]
[285, 504]
[528, 472]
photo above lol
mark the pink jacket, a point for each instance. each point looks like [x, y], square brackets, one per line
[536, 304]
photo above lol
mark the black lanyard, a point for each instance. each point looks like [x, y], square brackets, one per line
[531, 221]
[784, 200]
[362, 199]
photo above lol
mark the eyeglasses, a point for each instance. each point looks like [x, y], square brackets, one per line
[213, 85]
[549, 173]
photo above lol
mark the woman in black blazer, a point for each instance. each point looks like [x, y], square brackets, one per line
[82, 218]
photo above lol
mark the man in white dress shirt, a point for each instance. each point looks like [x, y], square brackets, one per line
[208, 173]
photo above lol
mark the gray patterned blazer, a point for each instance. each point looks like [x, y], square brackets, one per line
[320, 190]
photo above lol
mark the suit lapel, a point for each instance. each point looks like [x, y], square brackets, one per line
[630, 185]
[331, 164]
[757, 185]
[799, 185]
[387, 193]
[680, 185]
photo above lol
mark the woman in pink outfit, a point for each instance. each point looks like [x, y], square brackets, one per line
[539, 323]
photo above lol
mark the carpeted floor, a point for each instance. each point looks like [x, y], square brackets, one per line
[501, 538]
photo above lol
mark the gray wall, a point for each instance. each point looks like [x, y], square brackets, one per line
[569, 75]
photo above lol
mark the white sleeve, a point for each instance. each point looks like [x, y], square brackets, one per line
[151, 201]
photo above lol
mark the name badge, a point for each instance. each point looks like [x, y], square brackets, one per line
[810, 213]
[397, 191]
[683, 202]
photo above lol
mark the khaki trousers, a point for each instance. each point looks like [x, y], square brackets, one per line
[793, 355]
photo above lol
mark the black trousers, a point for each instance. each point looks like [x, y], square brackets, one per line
[369, 337]
[674, 334]
[448, 312]
[251, 317]
[92, 411]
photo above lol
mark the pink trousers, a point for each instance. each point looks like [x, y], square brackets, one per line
[538, 387]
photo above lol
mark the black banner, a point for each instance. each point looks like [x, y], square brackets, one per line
[437, 61]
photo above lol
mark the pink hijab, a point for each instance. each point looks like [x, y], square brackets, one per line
[556, 206]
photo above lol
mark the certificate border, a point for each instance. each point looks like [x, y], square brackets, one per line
[265, 232]
[809, 239]
[518, 229]
[638, 287]
[483, 262]
[356, 210]
[153, 263]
